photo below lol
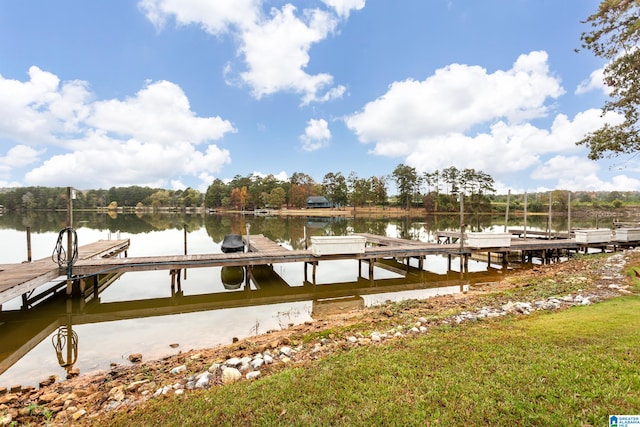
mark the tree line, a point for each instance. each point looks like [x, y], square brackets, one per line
[254, 191]
[434, 191]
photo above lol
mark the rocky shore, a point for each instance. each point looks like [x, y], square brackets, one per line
[86, 400]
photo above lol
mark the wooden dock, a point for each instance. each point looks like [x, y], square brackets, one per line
[22, 279]
[264, 251]
[95, 259]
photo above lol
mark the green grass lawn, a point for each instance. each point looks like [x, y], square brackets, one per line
[568, 368]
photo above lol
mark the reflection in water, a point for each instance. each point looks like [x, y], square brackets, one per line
[66, 339]
[232, 277]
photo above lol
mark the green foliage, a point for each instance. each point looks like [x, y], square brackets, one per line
[614, 36]
[573, 367]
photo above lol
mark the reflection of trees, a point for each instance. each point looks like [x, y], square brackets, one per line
[285, 230]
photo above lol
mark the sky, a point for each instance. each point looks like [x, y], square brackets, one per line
[176, 93]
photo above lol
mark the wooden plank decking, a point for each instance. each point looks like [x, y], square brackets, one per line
[19, 279]
[266, 252]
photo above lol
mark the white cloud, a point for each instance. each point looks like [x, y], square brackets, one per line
[214, 16]
[275, 47]
[457, 98]
[176, 184]
[316, 135]
[37, 110]
[594, 82]
[19, 156]
[558, 168]
[466, 117]
[281, 176]
[277, 52]
[161, 113]
[147, 138]
[110, 162]
[592, 182]
[344, 7]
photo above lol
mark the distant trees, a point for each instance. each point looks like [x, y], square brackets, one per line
[436, 191]
[335, 188]
[407, 181]
[476, 185]
[52, 198]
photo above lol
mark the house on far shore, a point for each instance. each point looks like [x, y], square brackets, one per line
[318, 202]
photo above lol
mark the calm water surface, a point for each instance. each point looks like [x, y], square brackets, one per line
[139, 312]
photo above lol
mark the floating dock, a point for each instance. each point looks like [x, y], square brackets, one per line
[97, 258]
[22, 279]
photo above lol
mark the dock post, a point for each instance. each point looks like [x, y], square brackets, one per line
[569, 213]
[185, 248]
[549, 220]
[28, 243]
[313, 274]
[71, 194]
[173, 282]
[525, 215]
[305, 271]
[371, 269]
[96, 285]
[506, 213]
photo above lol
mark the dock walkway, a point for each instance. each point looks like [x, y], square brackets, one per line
[20, 279]
[94, 259]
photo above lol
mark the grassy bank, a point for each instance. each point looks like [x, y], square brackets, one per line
[573, 367]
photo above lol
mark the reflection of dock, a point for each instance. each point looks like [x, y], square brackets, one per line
[22, 330]
[23, 279]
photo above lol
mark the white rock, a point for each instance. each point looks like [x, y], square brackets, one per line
[422, 320]
[233, 362]
[253, 375]
[375, 337]
[231, 375]
[286, 351]
[352, 339]
[179, 392]
[285, 359]
[203, 381]
[268, 359]
[179, 369]
[423, 329]
[257, 363]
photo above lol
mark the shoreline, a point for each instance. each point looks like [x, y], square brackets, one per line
[90, 397]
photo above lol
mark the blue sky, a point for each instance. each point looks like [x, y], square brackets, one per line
[176, 93]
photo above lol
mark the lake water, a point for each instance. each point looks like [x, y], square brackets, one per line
[140, 313]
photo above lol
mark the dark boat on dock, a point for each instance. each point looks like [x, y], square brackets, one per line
[232, 243]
